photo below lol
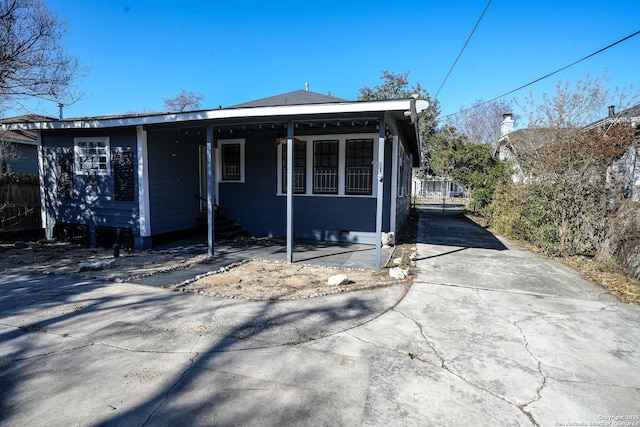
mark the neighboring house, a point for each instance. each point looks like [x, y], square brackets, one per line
[625, 170]
[437, 187]
[21, 146]
[143, 175]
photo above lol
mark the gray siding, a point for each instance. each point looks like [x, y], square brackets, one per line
[93, 202]
[174, 179]
[27, 162]
[403, 208]
[255, 205]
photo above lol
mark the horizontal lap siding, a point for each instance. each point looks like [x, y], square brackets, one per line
[93, 203]
[255, 205]
[403, 208]
[334, 218]
[173, 180]
[27, 161]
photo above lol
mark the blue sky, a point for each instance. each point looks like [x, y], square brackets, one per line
[141, 51]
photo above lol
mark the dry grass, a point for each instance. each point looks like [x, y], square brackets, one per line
[625, 288]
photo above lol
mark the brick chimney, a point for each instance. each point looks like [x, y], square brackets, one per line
[612, 111]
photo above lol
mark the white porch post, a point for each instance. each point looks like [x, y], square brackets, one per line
[47, 221]
[394, 186]
[290, 192]
[210, 187]
[143, 186]
[380, 196]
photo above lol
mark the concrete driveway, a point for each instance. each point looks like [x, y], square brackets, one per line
[489, 334]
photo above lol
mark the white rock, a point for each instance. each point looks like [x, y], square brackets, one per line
[397, 261]
[338, 280]
[388, 239]
[398, 273]
[98, 265]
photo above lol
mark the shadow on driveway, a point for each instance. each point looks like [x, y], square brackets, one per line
[452, 228]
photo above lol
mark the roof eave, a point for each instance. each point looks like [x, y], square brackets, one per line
[284, 111]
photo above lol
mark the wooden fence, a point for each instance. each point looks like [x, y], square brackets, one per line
[19, 203]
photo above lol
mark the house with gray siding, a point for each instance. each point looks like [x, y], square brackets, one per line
[20, 146]
[296, 165]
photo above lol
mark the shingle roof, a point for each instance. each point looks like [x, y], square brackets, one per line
[298, 97]
[28, 136]
[631, 112]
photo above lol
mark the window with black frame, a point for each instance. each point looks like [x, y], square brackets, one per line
[359, 166]
[325, 167]
[231, 162]
[299, 167]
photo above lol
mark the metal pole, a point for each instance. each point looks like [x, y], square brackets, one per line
[290, 192]
[380, 196]
[210, 185]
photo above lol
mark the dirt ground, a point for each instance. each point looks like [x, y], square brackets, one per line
[262, 280]
[253, 280]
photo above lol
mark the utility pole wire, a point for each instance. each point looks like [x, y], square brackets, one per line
[546, 76]
[462, 50]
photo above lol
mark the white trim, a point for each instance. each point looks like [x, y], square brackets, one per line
[379, 174]
[342, 156]
[342, 165]
[46, 223]
[144, 208]
[77, 154]
[18, 141]
[290, 151]
[356, 107]
[222, 142]
[394, 185]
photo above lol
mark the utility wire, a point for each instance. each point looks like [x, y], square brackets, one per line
[545, 76]
[462, 50]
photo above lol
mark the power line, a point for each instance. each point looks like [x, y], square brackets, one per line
[462, 50]
[545, 76]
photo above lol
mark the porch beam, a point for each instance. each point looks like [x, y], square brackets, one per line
[290, 129]
[380, 195]
[210, 186]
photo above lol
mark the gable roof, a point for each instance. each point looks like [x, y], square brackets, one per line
[629, 115]
[298, 97]
[22, 136]
[631, 112]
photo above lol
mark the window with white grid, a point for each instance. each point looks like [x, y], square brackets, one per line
[359, 166]
[325, 167]
[92, 156]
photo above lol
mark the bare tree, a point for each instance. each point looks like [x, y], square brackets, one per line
[33, 61]
[8, 152]
[184, 101]
[570, 190]
[481, 121]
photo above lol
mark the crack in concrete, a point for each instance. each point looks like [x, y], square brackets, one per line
[538, 395]
[594, 383]
[174, 385]
[35, 356]
[409, 354]
[443, 365]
